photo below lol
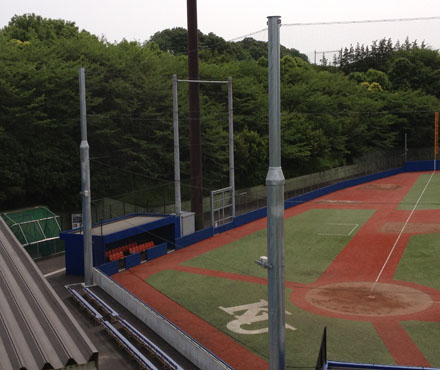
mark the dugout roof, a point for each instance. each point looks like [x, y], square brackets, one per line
[117, 225]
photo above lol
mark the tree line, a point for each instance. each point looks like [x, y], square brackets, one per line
[331, 115]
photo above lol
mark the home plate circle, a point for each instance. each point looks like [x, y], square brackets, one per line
[356, 298]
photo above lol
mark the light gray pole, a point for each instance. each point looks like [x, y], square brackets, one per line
[85, 184]
[275, 207]
[231, 144]
[177, 195]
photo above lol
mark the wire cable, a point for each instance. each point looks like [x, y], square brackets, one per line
[247, 35]
[360, 21]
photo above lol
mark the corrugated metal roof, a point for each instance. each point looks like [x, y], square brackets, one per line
[36, 329]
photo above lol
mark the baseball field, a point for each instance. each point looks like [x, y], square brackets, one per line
[362, 262]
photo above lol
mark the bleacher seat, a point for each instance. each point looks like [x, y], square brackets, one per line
[89, 308]
[139, 357]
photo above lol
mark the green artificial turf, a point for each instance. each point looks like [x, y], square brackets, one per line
[420, 261]
[203, 295]
[425, 335]
[430, 198]
[313, 239]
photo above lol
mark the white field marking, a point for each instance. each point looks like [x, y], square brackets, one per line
[252, 313]
[354, 228]
[332, 223]
[401, 232]
[54, 272]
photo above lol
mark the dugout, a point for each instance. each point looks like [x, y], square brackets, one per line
[120, 232]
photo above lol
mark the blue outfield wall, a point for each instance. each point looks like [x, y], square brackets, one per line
[242, 220]
[421, 166]
[291, 202]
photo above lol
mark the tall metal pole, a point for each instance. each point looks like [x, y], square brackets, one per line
[435, 139]
[85, 184]
[177, 195]
[231, 144]
[194, 115]
[275, 207]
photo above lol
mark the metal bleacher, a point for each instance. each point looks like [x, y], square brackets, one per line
[154, 350]
[110, 311]
[131, 331]
[131, 349]
[86, 305]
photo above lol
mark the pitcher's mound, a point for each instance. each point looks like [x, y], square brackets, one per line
[355, 299]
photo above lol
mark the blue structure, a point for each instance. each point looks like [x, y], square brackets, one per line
[162, 229]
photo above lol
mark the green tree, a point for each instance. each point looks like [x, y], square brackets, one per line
[29, 27]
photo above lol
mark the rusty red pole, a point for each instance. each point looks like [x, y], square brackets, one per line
[194, 115]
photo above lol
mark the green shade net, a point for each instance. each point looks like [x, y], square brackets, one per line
[35, 229]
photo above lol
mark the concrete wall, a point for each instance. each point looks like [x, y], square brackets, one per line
[183, 343]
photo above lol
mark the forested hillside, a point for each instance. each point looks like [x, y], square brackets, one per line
[330, 115]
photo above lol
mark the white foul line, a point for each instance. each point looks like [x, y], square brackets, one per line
[332, 223]
[354, 228]
[400, 234]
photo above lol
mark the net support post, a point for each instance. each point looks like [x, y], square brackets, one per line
[435, 140]
[85, 184]
[231, 145]
[275, 206]
[177, 194]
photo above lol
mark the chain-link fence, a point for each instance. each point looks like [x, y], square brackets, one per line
[252, 198]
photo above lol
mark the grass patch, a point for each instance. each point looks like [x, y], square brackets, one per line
[313, 239]
[203, 295]
[430, 197]
[420, 261]
[425, 336]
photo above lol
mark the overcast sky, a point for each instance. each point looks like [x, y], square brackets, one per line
[140, 19]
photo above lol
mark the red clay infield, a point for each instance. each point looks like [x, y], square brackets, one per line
[347, 289]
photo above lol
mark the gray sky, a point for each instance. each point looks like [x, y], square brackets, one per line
[139, 19]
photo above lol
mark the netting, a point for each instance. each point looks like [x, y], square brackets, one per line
[37, 230]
